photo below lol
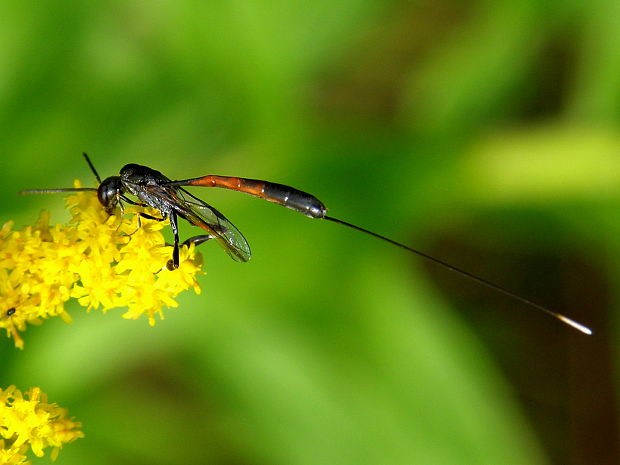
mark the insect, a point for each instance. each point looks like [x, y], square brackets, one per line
[6, 315]
[169, 197]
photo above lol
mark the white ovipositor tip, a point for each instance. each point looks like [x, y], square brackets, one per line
[574, 324]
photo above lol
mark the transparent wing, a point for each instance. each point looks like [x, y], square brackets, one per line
[204, 216]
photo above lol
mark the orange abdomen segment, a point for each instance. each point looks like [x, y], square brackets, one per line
[286, 196]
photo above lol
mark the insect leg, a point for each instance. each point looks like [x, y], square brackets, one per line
[197, 240]
[174, 263]
[149, 217]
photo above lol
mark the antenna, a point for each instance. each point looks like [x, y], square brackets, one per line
[67, 189]
[92, 167]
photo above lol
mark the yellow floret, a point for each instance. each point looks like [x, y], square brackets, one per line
[28, 421]
[102, 261]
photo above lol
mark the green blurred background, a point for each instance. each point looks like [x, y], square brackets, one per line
[485, 133]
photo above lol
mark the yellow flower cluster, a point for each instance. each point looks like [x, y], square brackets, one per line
[28, 421]
[102, 261]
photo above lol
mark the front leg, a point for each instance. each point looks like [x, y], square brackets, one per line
[149, 217]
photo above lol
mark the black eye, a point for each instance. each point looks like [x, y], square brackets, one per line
[108, 192]
[10, 311]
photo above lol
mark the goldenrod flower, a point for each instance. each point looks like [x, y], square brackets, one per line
[28, 421]
[102, 261]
